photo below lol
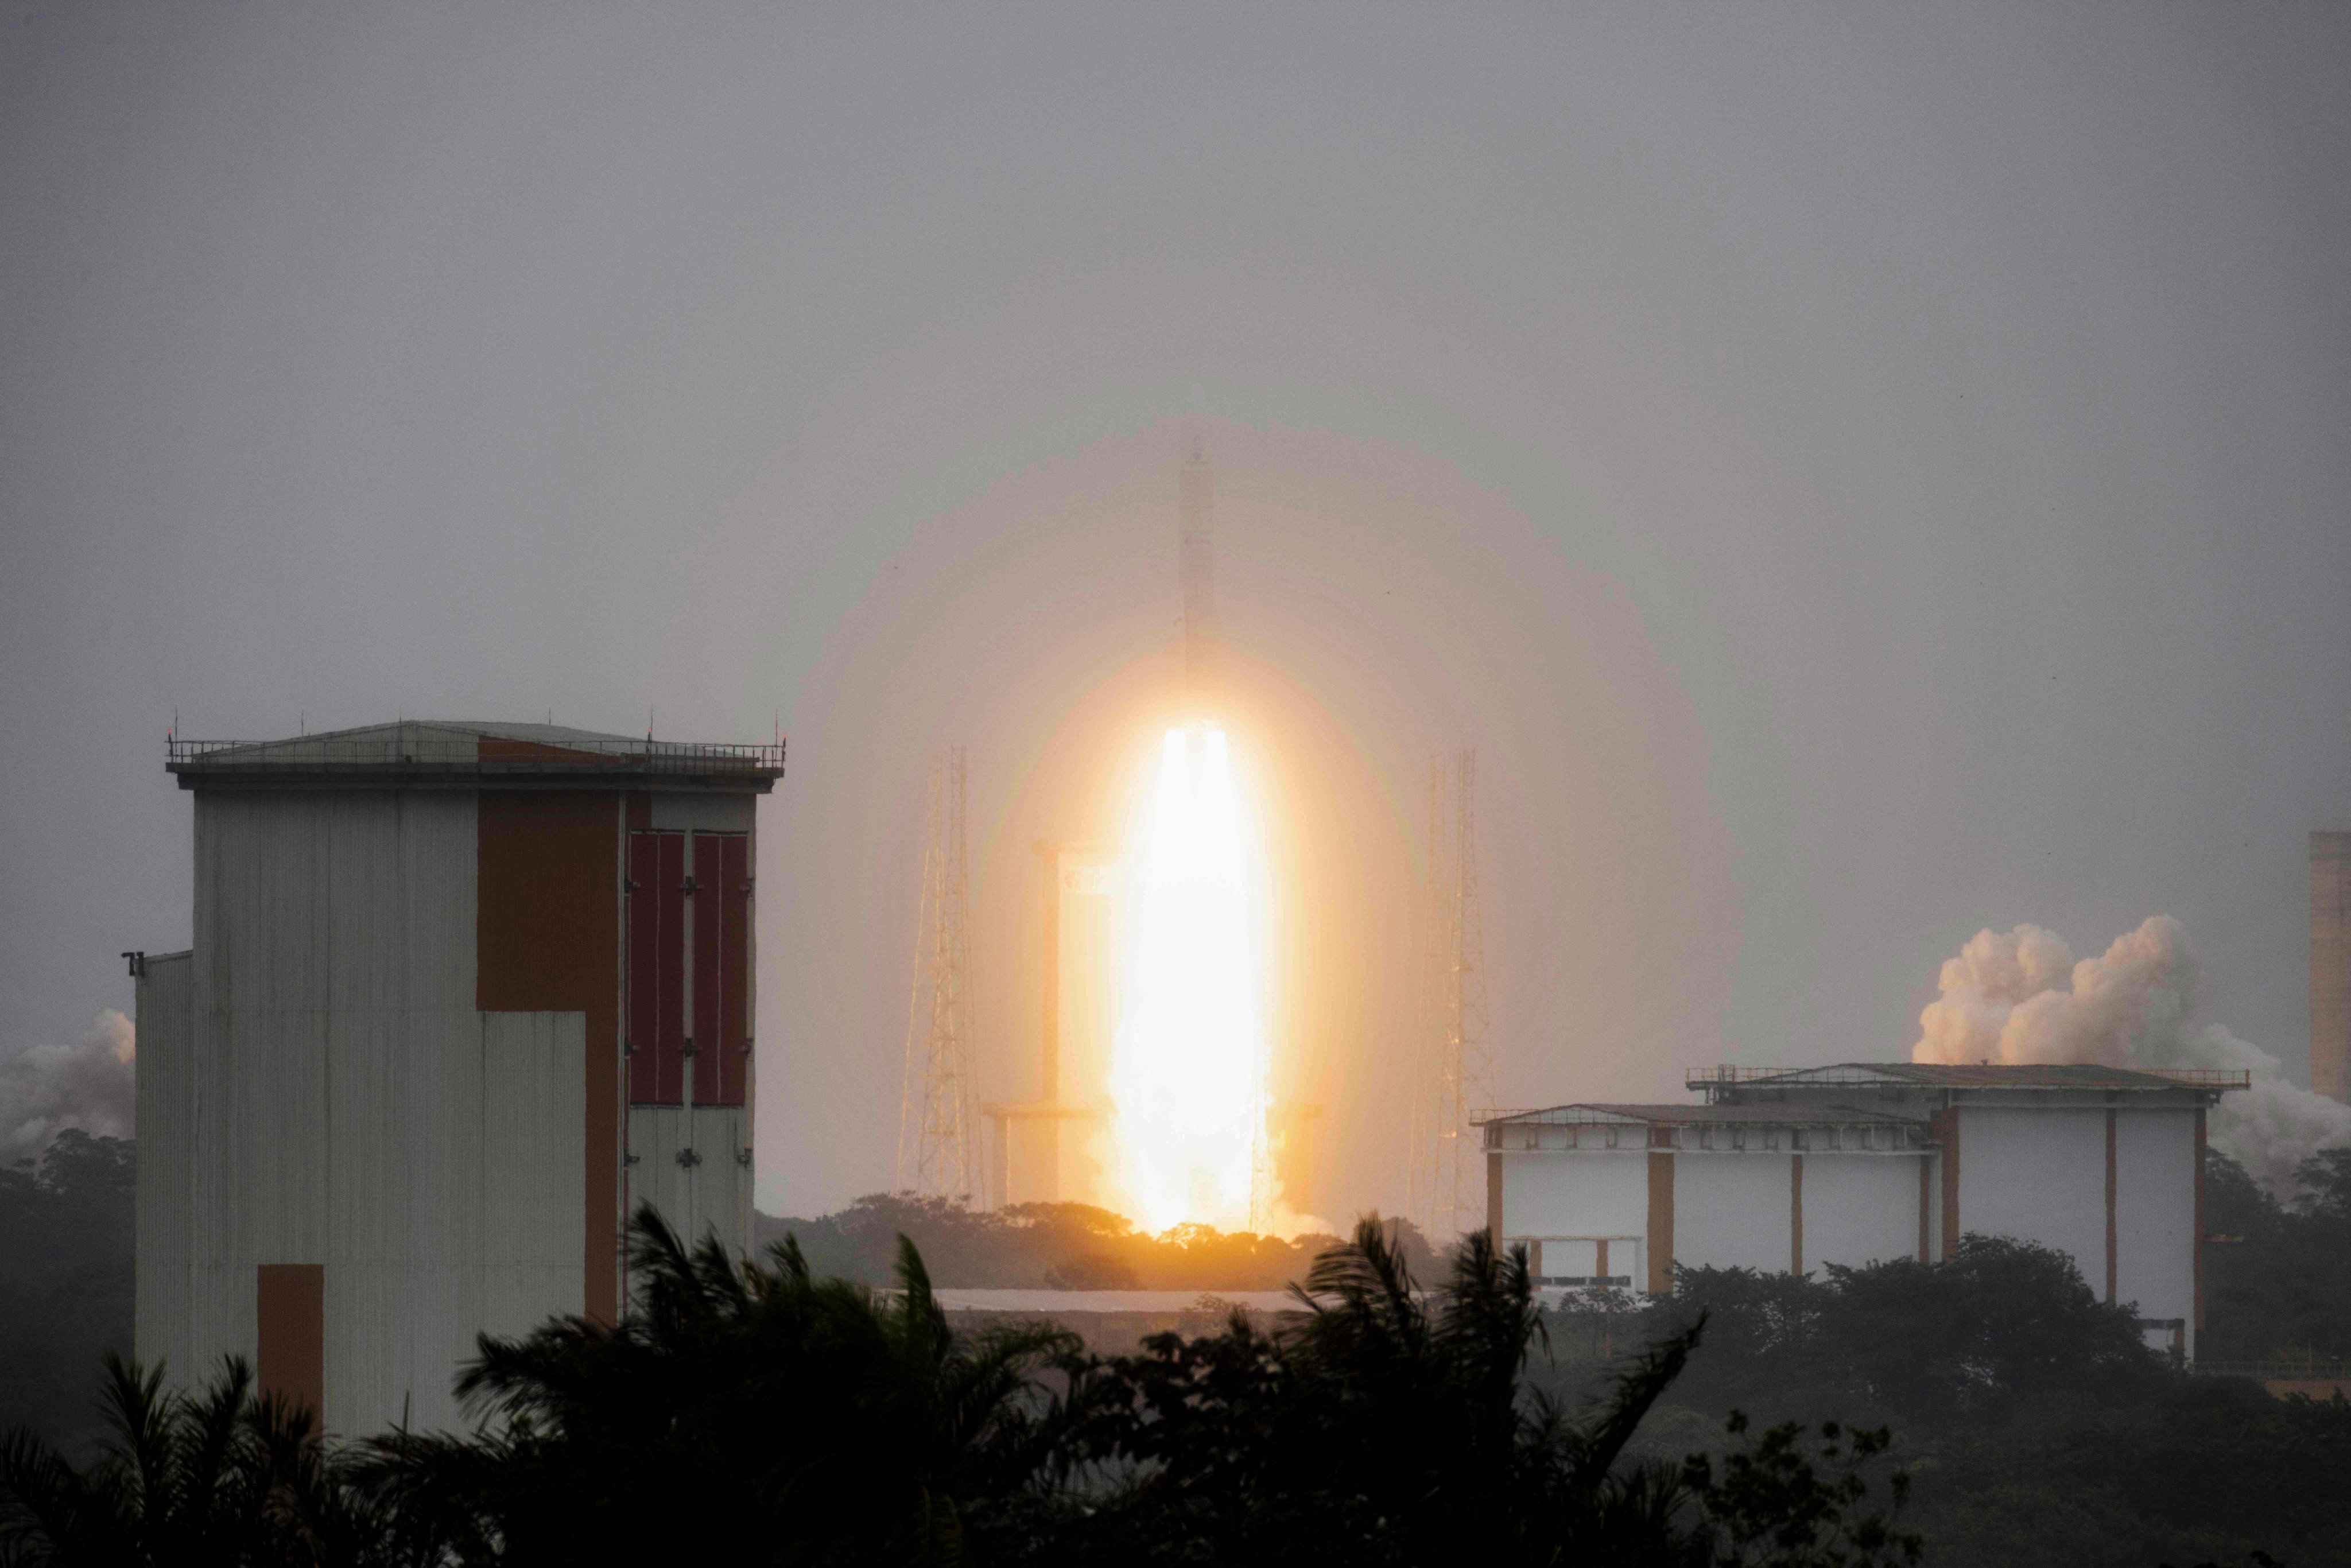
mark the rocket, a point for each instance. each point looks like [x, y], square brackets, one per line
[1195, 568]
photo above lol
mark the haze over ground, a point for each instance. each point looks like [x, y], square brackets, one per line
[1855, 478]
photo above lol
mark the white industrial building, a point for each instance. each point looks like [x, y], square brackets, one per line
[461, 997]
[1863, 1162]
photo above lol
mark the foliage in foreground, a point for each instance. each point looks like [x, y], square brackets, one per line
[218, 1478]
[2043, 1431]
[813, 1421]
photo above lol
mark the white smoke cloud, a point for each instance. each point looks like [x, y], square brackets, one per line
[49, 1088]
[2019, 997]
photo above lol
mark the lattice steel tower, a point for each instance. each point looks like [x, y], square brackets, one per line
[937, 1153]
[1445, 1175]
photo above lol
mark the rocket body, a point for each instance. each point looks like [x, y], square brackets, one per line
[1196, 573]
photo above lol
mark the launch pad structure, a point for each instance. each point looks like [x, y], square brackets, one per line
[1056, 1147]
[936, 1129]
[1445, 1188]
[1062, 1145]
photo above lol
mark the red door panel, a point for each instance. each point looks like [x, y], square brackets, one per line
[669, 1039]
[734, 967]
[709, 902]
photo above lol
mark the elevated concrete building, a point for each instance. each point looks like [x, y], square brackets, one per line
[462, 995]
[1864, 1162]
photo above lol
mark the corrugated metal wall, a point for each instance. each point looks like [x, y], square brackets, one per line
[166, 1181]
[348, 1105]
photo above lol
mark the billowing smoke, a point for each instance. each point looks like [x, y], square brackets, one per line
[2019, 996]
[49, 1088]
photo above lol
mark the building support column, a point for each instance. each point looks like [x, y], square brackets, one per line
[1796, 1215]
[1494, 1197]
[1661, 1223]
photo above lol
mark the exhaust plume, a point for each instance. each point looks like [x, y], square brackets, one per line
[46, 1089]
[2019, 997]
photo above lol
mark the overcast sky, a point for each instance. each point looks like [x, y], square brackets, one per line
[1856, 475]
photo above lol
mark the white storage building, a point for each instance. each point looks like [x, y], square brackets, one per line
[1862, 1163]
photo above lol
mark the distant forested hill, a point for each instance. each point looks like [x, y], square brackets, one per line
[1051, 1246]
[65, 1283]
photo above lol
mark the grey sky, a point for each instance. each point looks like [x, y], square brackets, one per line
[1949, 401]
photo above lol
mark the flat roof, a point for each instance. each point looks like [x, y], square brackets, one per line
[1595, 1113]
[473, 754]
[1955, 1075]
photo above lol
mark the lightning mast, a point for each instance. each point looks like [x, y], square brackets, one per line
[1455, 1070]
[935, 1142]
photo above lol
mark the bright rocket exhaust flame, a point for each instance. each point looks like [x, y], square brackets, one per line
[1188, 1073]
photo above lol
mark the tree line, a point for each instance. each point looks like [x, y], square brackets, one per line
[792, 1403]
[758, 1408]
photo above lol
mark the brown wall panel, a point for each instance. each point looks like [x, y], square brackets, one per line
[549, 938]
[290, 1314]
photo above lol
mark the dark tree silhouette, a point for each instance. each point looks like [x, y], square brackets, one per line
[217, 1478]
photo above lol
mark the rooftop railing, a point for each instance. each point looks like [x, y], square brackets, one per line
[475, 754]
